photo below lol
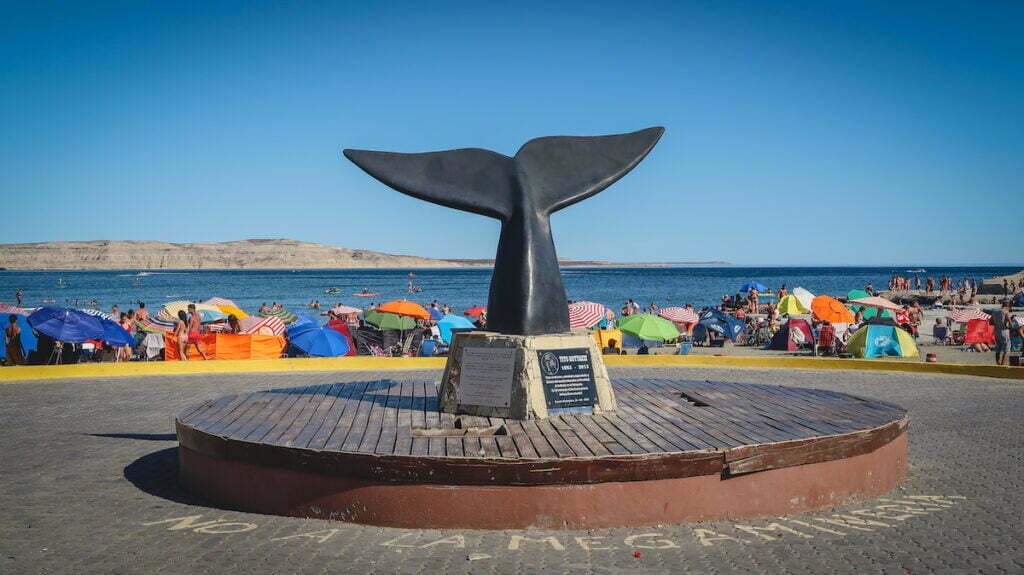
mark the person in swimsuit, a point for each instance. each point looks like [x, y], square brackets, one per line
[181, 335]
[195, 329]
[12, 338]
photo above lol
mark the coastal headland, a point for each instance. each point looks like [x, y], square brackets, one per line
[241, 254]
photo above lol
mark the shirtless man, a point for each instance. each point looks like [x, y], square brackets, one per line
[194, 329]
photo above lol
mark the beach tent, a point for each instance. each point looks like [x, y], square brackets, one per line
[806, 298]
[229, 346]
[753, 285]
[28, 339]
[875, 340]
[603, 336]
[980, 331]
[722, 323]
[867, 312]
[792, 336]
[790, 305]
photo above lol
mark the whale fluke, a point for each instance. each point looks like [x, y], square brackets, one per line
[546, 175]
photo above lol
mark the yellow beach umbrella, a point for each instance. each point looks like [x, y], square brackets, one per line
[174, 307]
[790, 305]
[232, 310]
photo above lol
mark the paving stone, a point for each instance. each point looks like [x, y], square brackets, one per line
[88, 485]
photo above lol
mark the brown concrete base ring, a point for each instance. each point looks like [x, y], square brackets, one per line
[772, 492]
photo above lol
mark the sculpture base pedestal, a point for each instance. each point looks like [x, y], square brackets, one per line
[491, 374]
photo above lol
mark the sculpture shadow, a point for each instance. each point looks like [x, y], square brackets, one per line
[157, 474]
[140, 436]
[377, 385]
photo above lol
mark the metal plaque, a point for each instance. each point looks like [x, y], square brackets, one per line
[486, 376]
[568, 377]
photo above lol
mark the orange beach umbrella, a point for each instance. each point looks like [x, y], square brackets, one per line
[406, 308]
[475, 311]
[830, 309]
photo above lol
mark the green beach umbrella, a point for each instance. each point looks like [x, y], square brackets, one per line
[866, 312]
[388, 320]
[647, 326]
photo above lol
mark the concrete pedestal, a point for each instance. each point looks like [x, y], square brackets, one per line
[491, 374]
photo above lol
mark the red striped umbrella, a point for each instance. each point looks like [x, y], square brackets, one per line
[585, 314]
[270, 325]
[966, 315]
[679, 314]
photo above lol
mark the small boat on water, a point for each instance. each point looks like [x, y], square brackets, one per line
[917, 271]
[61, 283]
[332, 290]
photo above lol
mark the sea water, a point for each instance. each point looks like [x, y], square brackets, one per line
[459, 288]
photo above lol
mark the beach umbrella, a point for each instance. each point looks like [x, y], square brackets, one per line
[320, 341]
[282, 314]
[647, 326]
[876, 302]
[806, 298]
[262, 325]
[341, 327]
[450, 322]
[115, 335]
[232, 310]
[723, 323]
[790, 305]
[345, 310]
[475, 311]
[7, 309]
[585, 314]
[172, 308]
[967, 314]
[406, 308]
[435, 314]
[679, 314]
[219, 301]
[98, 313]
[868, 313]
[753, 285]
[303, 321]
[830, 309]
[385, 321]
[67, 325]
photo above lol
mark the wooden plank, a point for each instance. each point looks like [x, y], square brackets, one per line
[580, 446]
[654, 406]
[420, 445]
[712, 423]
[523, 444]
[453, 446]
[191, 411]
[436, 446]
[320, 401]
[347, 401]
[595, 444]
[562, 449]
[286, 420]
[320, 415]
[664, 438]
[403, 440]
[218, 423]
[262, 425]
[389, 421]
[353, 423]
[537, 440]
[375, 420]
[222, 404]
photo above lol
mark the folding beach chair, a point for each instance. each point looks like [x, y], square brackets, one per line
[941, 335]
[826, 343]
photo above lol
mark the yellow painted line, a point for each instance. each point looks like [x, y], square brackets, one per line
[140, 369]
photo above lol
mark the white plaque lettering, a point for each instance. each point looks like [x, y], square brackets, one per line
[486, 377]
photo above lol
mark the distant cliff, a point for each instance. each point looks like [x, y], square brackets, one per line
[244, 254]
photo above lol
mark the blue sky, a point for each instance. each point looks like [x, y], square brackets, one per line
[797, 133]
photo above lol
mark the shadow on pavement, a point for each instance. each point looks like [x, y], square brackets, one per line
[157, 474]
[142, 436]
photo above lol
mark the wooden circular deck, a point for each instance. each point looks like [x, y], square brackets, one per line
[365, 451]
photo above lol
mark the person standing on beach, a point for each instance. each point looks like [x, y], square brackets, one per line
[1000, 320]
[181, 335]
[12, 339]
[195, 322]
[142, 314]
[17, 296]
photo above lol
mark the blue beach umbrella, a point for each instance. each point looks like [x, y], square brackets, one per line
[753, 285]
[318, 341]
[67, 325]
[303, 322]
[115, 335]
[435, 314]
[450, 322]
[208, 315]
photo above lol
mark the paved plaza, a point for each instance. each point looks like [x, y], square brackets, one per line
[88, 485]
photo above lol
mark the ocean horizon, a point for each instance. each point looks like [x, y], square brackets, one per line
[460, 288]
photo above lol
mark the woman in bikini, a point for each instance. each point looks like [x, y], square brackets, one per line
[12, 338]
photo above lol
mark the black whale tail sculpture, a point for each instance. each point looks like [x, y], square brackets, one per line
[547, 174]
